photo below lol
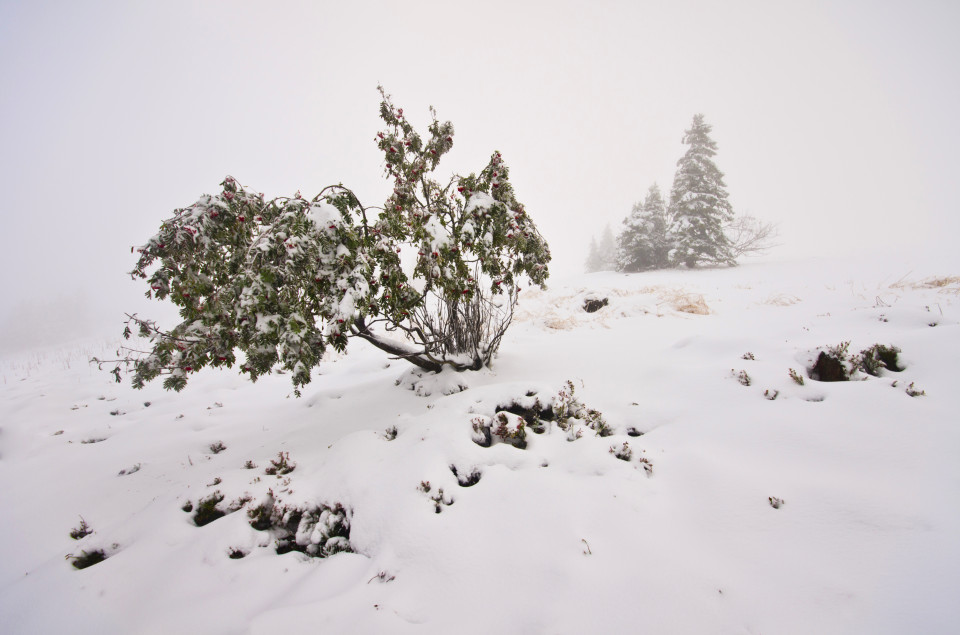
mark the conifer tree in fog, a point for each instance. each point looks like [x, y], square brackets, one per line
[607, 249]
[645, 241]
[698, 203]
[593, 262]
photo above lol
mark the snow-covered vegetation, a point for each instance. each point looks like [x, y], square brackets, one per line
[666, 463]
[283, 280]
[696, 226]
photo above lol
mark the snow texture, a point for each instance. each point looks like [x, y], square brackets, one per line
[674, 530]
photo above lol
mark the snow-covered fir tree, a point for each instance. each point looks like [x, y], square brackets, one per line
[281, 280]
[607, 249]
[645, 241]
[698, 202]
[593, 262]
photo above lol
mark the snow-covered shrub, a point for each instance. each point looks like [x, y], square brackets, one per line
[646, 464]
[87, 558]
[281, 280]
[482, 435]
[796, 377]
[531, 409]
[81, 530]
[742, 377]
[511, 421]
[439, 499]
[914, 391]
[317, 530]
[280, 465]
[207, 509]
[877, 357]
[507, 427]
[510, 428]
[322, 531]
[568, 411]
[466, 479]
[622, 451]
[592, 305]
[834, 364]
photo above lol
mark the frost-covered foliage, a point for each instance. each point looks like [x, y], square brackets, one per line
[698, 202]
[880, 357]
[282, 280]
[511, 421]
[316, 530]
[645, 241]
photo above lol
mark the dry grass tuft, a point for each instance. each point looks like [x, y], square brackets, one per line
[946, 284]
[561, 324]
[684, 302]
[781, 299]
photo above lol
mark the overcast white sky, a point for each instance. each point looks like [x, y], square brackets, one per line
[837, 120]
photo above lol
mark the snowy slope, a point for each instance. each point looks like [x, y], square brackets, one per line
[559, 537]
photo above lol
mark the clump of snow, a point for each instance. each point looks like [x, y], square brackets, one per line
[425, 383]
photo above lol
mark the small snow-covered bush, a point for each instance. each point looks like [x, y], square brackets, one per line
[466, 479]
[592, 305]
[82, 530]
[796, 377]
[834, 364]
[742, 377]
[207, 509]
[439, 499]
[914, 391]
[510, 429]
[511, 421]
[87, 558]
[283, 279]
[281, 465]
[316, 530]
[878, 357]
[622, 451]
[568, 411]
[531, 410]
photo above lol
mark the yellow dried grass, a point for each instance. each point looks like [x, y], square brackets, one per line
[781, 299]
[684, 302]
[946, 284]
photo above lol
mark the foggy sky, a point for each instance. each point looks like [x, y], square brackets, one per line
[836, 120]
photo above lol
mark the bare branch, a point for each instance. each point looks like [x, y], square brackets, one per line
[749, 236]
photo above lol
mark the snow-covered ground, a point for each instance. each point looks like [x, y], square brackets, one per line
[558, 537]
